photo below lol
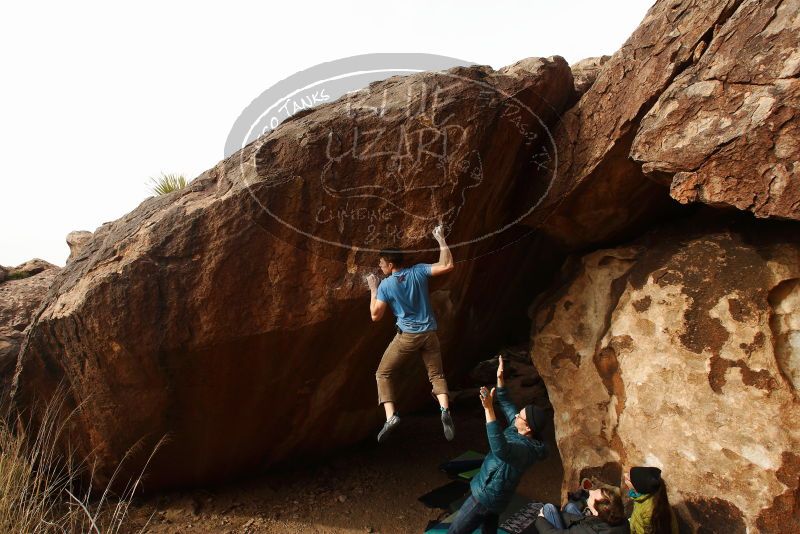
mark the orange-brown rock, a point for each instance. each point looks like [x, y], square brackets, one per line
[702, 99]
[76, 240]
[233, 314]
[682, 350]
[585, 71]
[600, 193]
[29, 268]
[726, 132]
[19, 298]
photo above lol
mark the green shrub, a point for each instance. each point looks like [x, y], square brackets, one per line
[167, 183]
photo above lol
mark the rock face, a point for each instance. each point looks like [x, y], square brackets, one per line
[585, 72]
[682, 350]
[76, 241]
[727, 130]
[600, 192]
[29, 268]
[233, 314]
[700, 102]
[19, 299]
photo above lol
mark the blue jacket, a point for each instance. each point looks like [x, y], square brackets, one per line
[510, 455]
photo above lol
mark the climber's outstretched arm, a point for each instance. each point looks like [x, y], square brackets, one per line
[445, 263]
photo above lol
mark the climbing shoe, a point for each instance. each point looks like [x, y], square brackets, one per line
[447, 425]
[388, 426]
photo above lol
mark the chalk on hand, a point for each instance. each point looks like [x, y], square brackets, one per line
[366, 278]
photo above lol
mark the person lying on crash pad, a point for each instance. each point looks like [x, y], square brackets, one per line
[604, 514]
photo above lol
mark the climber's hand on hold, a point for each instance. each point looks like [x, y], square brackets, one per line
[372, 282]
[438, 233]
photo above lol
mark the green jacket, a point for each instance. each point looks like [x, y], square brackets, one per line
[510, 455]
[643, 511]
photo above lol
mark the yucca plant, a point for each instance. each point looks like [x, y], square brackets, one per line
[167, 183]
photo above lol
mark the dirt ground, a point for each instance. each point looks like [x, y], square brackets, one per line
[367, 488]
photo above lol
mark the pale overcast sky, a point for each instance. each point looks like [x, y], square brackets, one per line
[99, 96]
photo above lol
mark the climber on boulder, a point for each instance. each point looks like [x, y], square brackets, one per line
[405, 290]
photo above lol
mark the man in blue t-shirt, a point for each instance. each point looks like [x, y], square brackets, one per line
[405, 291]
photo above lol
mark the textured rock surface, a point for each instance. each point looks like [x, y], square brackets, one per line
[18, 301]
[204, 315]
[682, 351]
[585, 72]
[600, 192]
[705, 93]
[29, 268]
[76, 241]
[727, 130]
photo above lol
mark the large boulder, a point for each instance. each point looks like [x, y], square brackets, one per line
[727, 130]
[706, 96]
[232, 315]
[19, 299]
[682, 350]
[599, 192]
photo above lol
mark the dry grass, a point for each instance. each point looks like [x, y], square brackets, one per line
[43, 490]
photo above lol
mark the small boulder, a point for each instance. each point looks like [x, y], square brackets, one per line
[30, 268]
[77, 241]
[585, 72]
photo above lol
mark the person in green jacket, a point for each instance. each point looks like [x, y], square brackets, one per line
[652, 513]
[512, 452]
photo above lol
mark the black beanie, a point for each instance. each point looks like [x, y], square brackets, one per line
[646, 479]
[537, 418]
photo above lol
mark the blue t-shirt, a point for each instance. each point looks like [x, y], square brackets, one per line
[406, 292]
